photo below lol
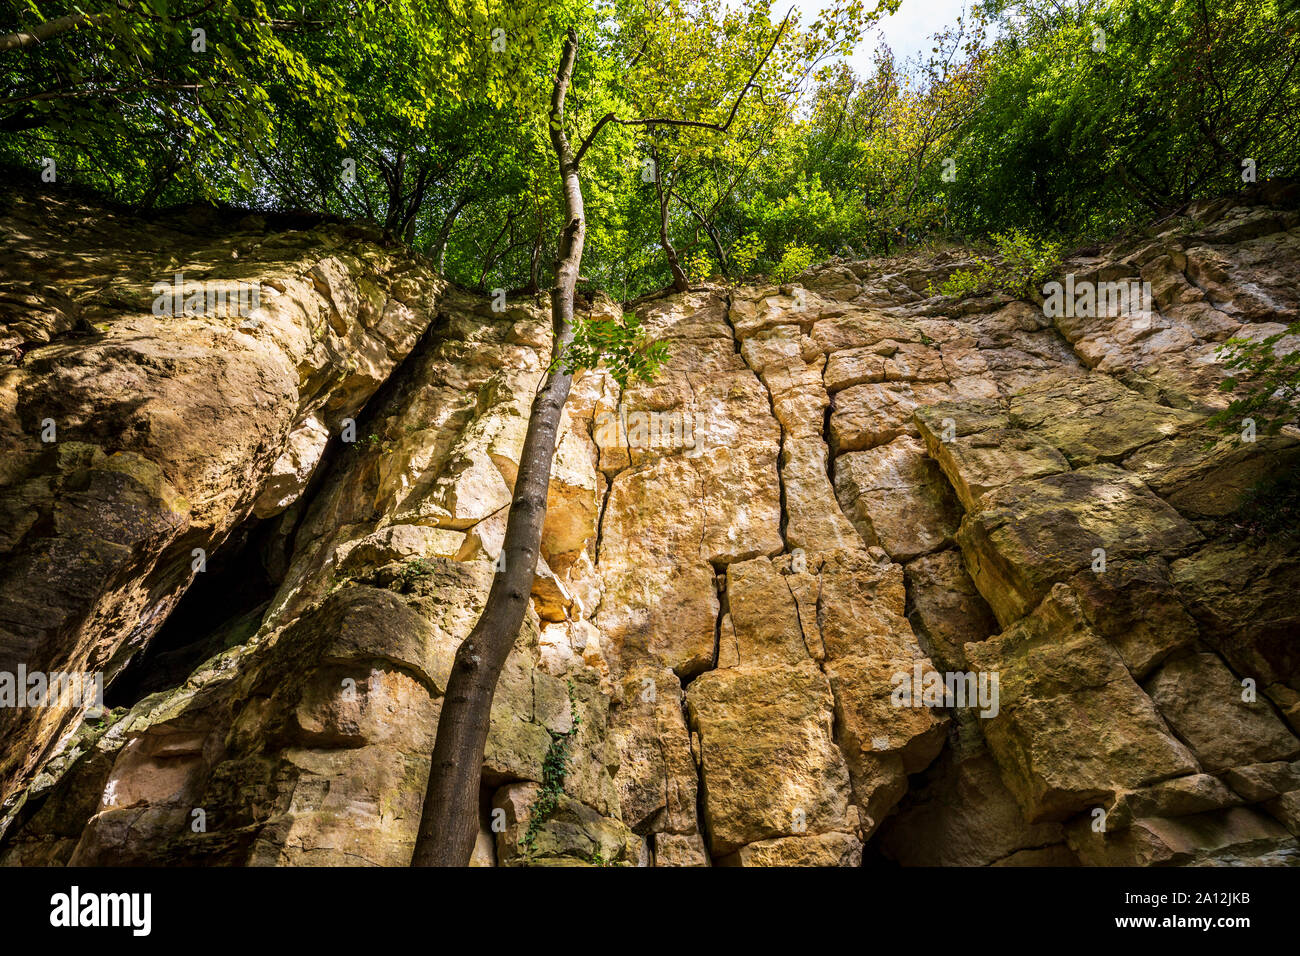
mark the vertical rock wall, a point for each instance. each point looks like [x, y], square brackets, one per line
[833, 485]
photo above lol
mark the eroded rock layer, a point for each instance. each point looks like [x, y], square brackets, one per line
[836, 488]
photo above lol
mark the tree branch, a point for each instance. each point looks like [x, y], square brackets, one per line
[697, 124]
[21, 39]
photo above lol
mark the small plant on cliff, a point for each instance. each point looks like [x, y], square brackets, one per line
[1269, 509]
[965, 282]
[745, 254]
[794, 260]
[1270, 385]
[699, 267]
[412, 571]
[366, 442]
[555, 766]
[1026, 262]
[1021, 265]
[107, 717]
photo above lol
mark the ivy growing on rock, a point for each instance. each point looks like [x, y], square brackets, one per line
[555, 766]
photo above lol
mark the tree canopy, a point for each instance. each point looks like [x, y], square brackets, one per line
[428, 118]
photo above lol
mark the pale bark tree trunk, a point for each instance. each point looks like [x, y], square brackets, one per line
[449, 819]
[48, 30]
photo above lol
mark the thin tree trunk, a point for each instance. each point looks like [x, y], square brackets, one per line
[396, 186]
[535, 259]
[162, 180]
[444, 234]
[413, 207]
[711, 233]
[449, 818]
[680, 282]
[490, 259]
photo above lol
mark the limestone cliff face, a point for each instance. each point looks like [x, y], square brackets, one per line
[833, 483]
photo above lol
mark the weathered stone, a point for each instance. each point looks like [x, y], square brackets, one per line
[799, 398]
[1203, 702]
[660, 605]
[1133, 605]
[947, 611]
[1263, 781]
[847, 328]
[1178, 797]
[1242, 594]
[822, 849]
[869, 721]
[814, 520]
[1072, 727]
[292, 470]
[980, 461]
[1213, 481]
[897, 499]
[485, 851]
[769, 764]
[860, 601]
[1287, 702]
[861, 366]
[1031, 534]
[571, 834]
[359, 705]
[656, 777]
[882, 742]
[766, 307]
[1286, 810]
[961, 813]
[1234, 836]
[1094, 419]
[865, 416]
[737, 443]
[765, 619]
[674, 849]
[399, 542]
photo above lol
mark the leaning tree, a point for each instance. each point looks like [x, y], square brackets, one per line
[449, 819]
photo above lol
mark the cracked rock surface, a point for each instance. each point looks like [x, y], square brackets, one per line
[834, 488]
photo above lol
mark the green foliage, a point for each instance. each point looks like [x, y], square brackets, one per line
[429, 119]
[966, 282]
[411, 571]
[699, 267]
[132, 95]
[1081, 133]
[1269, 509]
[366, 442]
[1020, 267]
[745, 253]
[107, 718]
[794, 260]
[555, 766]
[1268, 386]
[1028, 126]
[621, 345]
[1026, 262]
